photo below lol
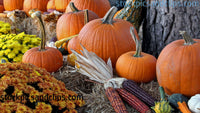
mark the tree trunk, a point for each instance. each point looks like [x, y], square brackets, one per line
[163, 22]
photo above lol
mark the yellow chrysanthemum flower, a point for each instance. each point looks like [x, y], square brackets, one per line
[7, 51]
[11, 55]
[24, 49]
[16, 50]
[17, 59]
[1, 53]
[4, 46]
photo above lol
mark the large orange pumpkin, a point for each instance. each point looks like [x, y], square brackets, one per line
[35, 4]
[100, 7]
[10, 5]
[51, 5]
[107, 37]
[136, 65]
[48, 58]
[178, 66]
[61, 5]
[71, 23]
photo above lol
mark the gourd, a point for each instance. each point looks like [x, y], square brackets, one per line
[71, 23]
[100, 7]
[136, 65]
[107, 37]
[178, 66]
[45, 57]
[179, 101]
[162, 106]
[131, 12]
[194, 103]
[10, 5]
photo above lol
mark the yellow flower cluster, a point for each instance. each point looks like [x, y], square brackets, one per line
[5, 28]
[13, 46]
[25, 83]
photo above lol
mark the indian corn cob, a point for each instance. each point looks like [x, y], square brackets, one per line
[134, 89]
[115, 100]
[133, 101]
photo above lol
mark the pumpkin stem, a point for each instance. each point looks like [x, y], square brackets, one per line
[108, 18]
[138, 43]
[183, 107]
[162, 93]
[187, 38]
[72, 7]
[38, 15]
[86, 17]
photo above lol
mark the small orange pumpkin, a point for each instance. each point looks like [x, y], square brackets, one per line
[10, 5]
[45, 57]
[40, 5]
[100, 7]
[73, 44]
[51, 5]
[178, 66]
[61, 5]
[136, 65]
[71, 23]
[107, 37]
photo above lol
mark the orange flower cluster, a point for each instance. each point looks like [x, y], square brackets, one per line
[26, 88]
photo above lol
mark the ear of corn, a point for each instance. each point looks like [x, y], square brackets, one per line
[133, 101]
[137, 91]
[115, 100]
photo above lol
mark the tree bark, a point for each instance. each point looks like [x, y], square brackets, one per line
[162, 23]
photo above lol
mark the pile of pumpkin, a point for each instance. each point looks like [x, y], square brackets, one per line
[176, 69]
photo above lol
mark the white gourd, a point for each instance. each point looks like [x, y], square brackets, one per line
[194, 103]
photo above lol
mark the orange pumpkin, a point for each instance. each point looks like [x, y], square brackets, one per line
[61, 5]
[136, 65]
[178, 66]
[1, 2]
[100, 7]
[71, 23]
[1, 8]
[73, 44]
[51, 5]
[10, 5]
[107, 37]
[40, 5]
[48, 58]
